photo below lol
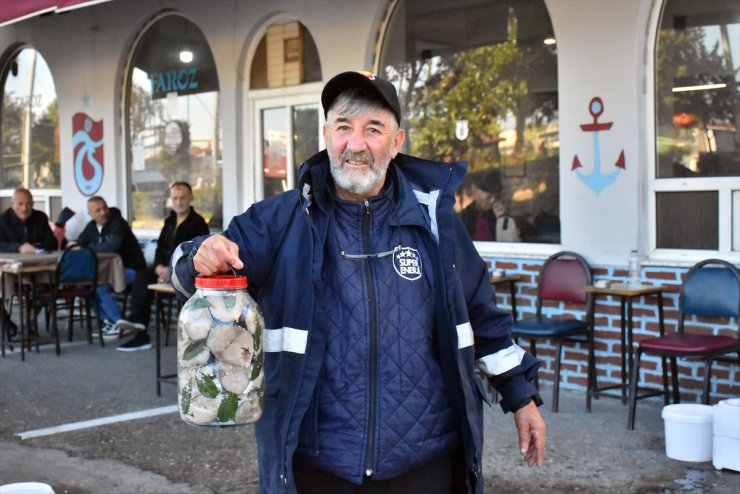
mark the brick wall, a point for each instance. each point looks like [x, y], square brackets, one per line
[725, 381]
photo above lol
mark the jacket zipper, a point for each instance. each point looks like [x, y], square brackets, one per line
[373, 350]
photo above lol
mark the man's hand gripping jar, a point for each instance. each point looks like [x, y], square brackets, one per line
[219, 354]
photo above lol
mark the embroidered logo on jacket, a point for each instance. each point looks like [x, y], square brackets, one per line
[407, 263]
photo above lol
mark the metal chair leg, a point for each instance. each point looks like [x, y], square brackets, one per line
[556, 386]
[666, 395]
[591, 383]
[674, 381]
[707, 377]
[634, 377]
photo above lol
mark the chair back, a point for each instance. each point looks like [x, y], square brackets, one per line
[711, 288]
[77, 265]
[562, 279]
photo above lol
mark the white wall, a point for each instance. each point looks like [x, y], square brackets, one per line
[600, 53]
[89, 67]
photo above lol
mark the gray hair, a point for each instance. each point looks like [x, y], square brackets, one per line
[356, 101]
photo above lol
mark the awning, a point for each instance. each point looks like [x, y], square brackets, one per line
[17, 10]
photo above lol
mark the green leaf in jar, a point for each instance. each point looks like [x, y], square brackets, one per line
[256, 368]
[227, 408]
[185, 395]
[199, 303]
[257, 336]
[194, 349]
[229, 302]
[206, 385]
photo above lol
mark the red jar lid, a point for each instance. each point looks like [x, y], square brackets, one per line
[221, 281]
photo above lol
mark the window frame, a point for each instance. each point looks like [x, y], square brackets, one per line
[724, 186]
[497, 249]
[287, 97]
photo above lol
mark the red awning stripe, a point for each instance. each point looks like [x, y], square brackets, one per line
[17, 10]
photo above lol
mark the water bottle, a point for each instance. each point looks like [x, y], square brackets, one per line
[219, 348]
[634, 269]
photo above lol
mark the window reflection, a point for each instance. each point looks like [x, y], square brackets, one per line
[478, 83]
[29, 156]
[698, 89]
[174, 123]
[697, 98]
[280, 167]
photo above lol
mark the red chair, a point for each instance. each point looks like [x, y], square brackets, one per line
[711, 288]
[562, 279]
[75, 277]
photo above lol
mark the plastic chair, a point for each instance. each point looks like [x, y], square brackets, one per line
[711, 288]
[76, 277]
[562, 279]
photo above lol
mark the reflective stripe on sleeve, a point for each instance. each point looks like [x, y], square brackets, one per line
[286, 340]
[464, 335]
[174, 279]
[503, 360]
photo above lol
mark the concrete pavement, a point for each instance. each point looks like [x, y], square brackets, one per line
[160, 454]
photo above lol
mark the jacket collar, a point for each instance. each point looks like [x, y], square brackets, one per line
[414, 178]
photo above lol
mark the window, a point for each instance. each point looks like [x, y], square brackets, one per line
[697, 99]
[281, 156]
[288, 126]
[29, 156]
[173, 122]
[478, 82]
[285, 56]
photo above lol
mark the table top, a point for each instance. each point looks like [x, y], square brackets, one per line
[505, 278]
[13, 268]
[110, 266]
[33, 258]
[162, 288]
[624, 290]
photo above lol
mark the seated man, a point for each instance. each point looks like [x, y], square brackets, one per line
[181, 225]
[25, 230]
[485, 218]
[107, 231]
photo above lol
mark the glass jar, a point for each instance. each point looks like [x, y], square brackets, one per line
[220, 380]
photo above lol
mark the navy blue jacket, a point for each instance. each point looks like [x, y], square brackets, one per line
[281, 242]
[116, 236]
[35, 230]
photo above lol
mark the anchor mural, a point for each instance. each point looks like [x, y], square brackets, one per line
[596, 180]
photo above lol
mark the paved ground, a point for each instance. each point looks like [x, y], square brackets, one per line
[587, 453]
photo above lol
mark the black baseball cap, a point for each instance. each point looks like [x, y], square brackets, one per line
[361, 79]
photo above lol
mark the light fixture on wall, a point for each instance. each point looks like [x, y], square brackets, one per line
[698, 87]
[549, 38]
[186, 55]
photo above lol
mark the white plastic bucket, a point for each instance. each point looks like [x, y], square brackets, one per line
[688, 432]
[26, 488]
[726, 441]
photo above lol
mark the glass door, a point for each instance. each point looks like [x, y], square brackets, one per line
[289, 132]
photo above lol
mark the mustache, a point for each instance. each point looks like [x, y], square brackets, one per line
[361, 156]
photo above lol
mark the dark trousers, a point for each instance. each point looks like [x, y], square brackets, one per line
[445, 476]
[140, 300]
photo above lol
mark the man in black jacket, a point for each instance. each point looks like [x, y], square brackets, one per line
[25, 230]
[181, 225]
[108, 231]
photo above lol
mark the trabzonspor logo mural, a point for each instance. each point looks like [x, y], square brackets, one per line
[87, 141]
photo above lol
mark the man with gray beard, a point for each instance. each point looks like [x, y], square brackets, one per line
[377, 310]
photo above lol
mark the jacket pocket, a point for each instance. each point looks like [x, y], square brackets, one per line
[481, 389]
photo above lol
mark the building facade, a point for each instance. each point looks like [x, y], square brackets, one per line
[604, 126]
